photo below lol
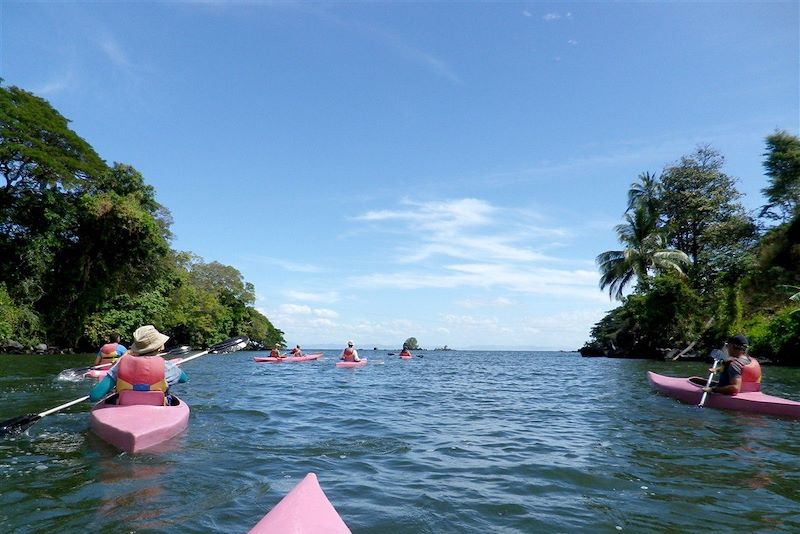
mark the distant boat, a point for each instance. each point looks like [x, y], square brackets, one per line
[443, 348]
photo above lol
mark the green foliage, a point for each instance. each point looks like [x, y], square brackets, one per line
[663, 317]
[777, 338]
[90, 247]
[782, 164]
[410, 344]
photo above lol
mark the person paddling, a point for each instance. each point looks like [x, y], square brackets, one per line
[276, 351]
[405, 352]
[141, 376]
[296, 352]
[111, 351]
[739, 373]
[350, 354]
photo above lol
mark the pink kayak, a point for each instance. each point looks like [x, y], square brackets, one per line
[289, 359]
[406, 356]
[361, 363]
[750, 401]
[304, 510]
[101, 373]
[133, 428]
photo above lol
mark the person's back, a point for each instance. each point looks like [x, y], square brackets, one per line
[111, 351]
[276, 352]
[141, 376]
[350, 354]
[296, 352]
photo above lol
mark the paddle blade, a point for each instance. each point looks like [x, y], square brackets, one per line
[178, 351]
[17, 424]
[717, 354]
[230, 345]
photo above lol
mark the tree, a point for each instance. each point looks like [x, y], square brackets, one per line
[645, 193]
[645, 252]
[783, 169]
[410, 344]
[702, 216]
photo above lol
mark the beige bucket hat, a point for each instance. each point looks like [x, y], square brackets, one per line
[147, 339]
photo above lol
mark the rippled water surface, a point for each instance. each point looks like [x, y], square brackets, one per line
[456, 441]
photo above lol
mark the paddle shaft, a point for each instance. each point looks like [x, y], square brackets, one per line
[708, 383]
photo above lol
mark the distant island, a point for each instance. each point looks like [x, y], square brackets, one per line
[443, 348]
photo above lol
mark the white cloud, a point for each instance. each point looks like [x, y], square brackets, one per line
[551, 16]
[328, 296]
[499, 302]
[285, 264]
[527, 13]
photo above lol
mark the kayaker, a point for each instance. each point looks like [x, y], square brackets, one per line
[142, 368]
[740, 372]
[350, 354]
[276, 351]
[405, 352]
[296, 352]
[111, 351]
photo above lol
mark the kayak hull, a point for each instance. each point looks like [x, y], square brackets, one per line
[361, 363]
[289, 359]
[304, 510]
[752, 401]
[134, 428]
[406, 357]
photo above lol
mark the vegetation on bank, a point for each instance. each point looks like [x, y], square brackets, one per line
[698, 267]
[85, 247]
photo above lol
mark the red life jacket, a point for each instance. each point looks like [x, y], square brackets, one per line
[109, 351]
[751, 376]
[275, 353]
[141, 380]
[349, 354]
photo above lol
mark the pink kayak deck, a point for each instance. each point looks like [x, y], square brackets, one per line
[753, 401]
[135, 428]
[101, 373]
[304, 510]
[289, 359]
[361, 363]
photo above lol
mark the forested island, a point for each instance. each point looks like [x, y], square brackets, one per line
[699, 267]
[86, 248]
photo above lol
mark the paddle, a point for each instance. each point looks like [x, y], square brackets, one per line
[718, 356]
[177, 351]
[23, 422]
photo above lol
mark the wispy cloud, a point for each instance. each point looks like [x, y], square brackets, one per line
[492, 248]
[328, 296]
[499, 302]
[550, 17]
[285, 264]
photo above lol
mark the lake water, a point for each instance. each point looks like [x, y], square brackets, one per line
[453, 442]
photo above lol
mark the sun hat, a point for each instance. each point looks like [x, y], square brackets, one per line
[147, 339]
[350, 343]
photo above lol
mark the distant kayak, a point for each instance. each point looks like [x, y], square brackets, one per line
[360, 363]
[133, 428]
[406, 356]
[289, 359]
[304, 510]
[752, 401]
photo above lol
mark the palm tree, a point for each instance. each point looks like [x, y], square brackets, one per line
[645, 251]
[645, 193]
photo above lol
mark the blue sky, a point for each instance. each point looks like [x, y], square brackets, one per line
[447, 171]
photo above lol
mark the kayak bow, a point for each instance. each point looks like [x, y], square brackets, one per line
[304, 510]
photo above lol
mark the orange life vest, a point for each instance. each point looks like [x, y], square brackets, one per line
[141, 380]
[349, 354]
[109, 351]
[275, 353]
[751, 376]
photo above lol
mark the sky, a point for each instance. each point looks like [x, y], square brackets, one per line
[447, 171]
